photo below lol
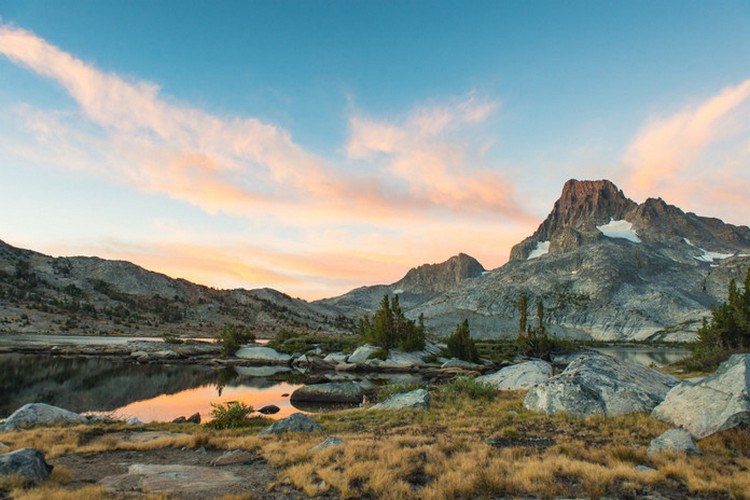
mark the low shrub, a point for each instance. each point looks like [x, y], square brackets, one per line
[229, 415]
[472, 388]
[232, 337]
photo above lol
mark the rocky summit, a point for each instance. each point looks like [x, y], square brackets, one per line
[605, 267]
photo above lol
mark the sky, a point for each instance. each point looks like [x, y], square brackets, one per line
[317, 146]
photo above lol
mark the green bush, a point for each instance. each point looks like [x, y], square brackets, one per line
[232, 337]
[460, 345]
[472, 388]
[379, 354]
[229, 415]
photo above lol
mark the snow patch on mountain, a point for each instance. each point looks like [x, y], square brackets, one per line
[619, 229]
[707, 256]
[542, 248]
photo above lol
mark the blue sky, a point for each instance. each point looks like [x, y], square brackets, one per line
[317, 146]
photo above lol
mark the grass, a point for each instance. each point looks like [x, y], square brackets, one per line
[463, 446]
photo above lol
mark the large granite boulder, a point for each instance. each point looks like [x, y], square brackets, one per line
[596, 384]
[296, 422]
[336, 357]
[28, 463]
[716, 403]
[460, 363]
[418, 398]
[399, 360]
[263, 355]
[676, 440]
[362, 354]
[40, 414]
[520, 376]
[332, 392]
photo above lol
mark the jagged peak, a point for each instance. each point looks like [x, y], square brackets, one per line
[431, 278]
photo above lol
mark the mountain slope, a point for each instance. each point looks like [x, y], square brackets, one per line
[42, 294]
[605, 267]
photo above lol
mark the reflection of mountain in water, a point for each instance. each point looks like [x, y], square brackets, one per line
[89, 384]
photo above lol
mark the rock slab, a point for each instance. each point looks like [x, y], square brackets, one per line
[28, 463]
[172, 479]
[362, 354]
[333, 392]
[418, 398]
[261, 354]
[596, 384]
[330, 442]
[521, 376]
[678, 440]
[297, 422]
[41, 414]
[718, 402]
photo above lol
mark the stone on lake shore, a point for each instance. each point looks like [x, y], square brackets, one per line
[262, 354]
[418, 398]
[332, 392]
[597, 384]
[520, 376]
[460, 363]
[362, 354]
[41, 414]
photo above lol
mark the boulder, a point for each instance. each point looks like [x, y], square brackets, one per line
[678, 440]
[297, 422]
[28, 463]
[362, 354]
[233, 457]
[328, 443]
[718, 402]
[269, 410]
[332, 392]
[597, 384]
[134, 421]
[179, 420]
[41, 414]
[336, 357]
[418, 398]
[520, 376]
[460, 363]
[170, 480]
[399, 360]
[263, 355]
[195, 418]
[165, 354]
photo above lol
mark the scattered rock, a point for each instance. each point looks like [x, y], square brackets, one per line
[520, 376]
[336, 357]
[362, 354]
[41, 414]
[262, 354]
[179, 420]
[269, 410]
[336, 392]
[678, 440]
[328, 443]
[718, 402]
[596, 384]
[195, 418]
[418, 398]
[134, 421]
[233, 457]
[297, 422]
[460, 363]
[28, 463]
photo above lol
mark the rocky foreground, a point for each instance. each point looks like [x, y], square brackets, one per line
[585, 431]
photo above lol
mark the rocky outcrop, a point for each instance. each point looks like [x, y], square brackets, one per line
[521, 376]
[675, 440]
[297, 422]
[595, 384]
[718, 402]
[362, 354]
[263, 355]
[27, 463]
[329, 393]
[419, 399]
[41, 414]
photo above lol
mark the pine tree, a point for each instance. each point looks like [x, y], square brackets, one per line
[390, 327]
[461, 345]
[523, 312]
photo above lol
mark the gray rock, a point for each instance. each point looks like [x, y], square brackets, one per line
[28, 463]
[718, 402]
[644, 468]
[195, 418]
[362, 354]
[328, 443]
[262, 354]
[179, 420]
[678, 440]
[232, 458]
[333, 392]
[174, 480]
[596, 384]
[165, 354]
[400, 360]
[418, 398]
[134, 421]
[41, 414]
[520, 376]
[460, 363]
[336, 357]
[269, 410]
[296, 422]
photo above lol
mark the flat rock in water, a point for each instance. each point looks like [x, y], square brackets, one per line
[262, 354]
[362, 354]
[718, 402]
[171, 479]
[41, 414]
[297, 422]
[521, 376]
[596, 384]
[269, 410]
[678, 440]
[28, 463]
[333, 392]
[418, 398]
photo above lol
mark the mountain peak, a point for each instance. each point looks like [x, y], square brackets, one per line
[433, 278]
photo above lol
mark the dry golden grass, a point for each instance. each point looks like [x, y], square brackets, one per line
[53, 492]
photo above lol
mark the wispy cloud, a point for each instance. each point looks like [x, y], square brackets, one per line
[696, 155]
